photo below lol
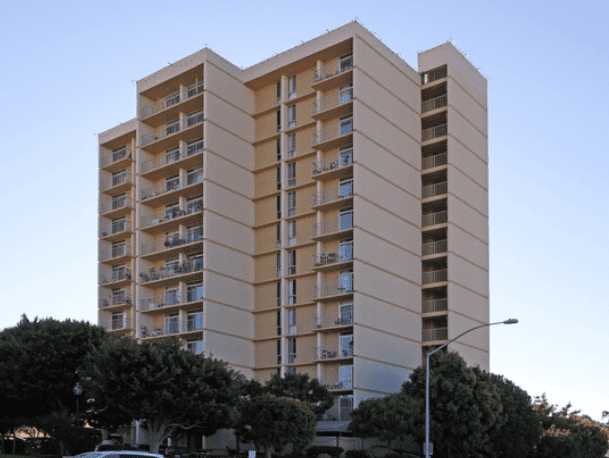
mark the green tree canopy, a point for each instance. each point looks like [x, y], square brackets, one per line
[303, 388]
[170, 390]
[272, 423]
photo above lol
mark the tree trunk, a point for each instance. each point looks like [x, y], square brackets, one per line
[268, 453]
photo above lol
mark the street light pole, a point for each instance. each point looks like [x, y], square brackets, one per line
[77, 390]
[427, 451]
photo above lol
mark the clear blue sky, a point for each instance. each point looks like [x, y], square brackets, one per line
[67, 72]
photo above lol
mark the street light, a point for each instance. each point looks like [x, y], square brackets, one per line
[77, 390]
[427, 450]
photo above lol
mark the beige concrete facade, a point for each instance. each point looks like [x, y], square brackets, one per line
[324, 211]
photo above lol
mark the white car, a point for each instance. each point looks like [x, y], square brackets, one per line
[120, 454]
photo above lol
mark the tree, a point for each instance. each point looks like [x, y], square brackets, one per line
[169, 389]
[465, 407]
[518, 428]
[272, 423]
[39, 360]
[390, 419]
[303, 388]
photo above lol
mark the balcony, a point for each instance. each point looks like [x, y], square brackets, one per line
[434, 132]
[114, 253]
[116, 159]
[435, 160]
[115, 300]
[116, 278]
[325, 261]
[155, 141]
[191, 239]
[330, 292]
[332, 229]
[115, 229]
[435, 334]
[435, 276]
[116, 206]
[118, 182]
[187, 156]
[325, 354]
[431, 219]
[172, 272]
[435, 305]
[170, 300]
[331, 199]
[344, 320]
[174, 215]
[331, 138]
[434, 103]
[434, 75]
[338, 417]
[118, 324]
[331, 106]
[435, 247]
[167, 193]
[434, 189]
[323, 80]
[341, 385]
[176, 326]
[184, 100]
[341, 167]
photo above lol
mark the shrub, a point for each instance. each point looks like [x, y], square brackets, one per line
[317, 450]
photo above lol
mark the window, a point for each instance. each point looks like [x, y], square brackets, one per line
[345, 375]
[291, 262]
[278, 263]
[118, 320]
[171, 296]
[346, 125]
[345, 188]
[278, 200]
[291, 349]
[119, 225]
[291, 291]
[195, 88]
[291, 137]
[345, 94]
[194, 118]
[346, 281]
[346, 344]
[279, 351]
[172, 210]
[172, 324]
[119, 249]
[119, 296]
[345, 219]
[119, 177]
[278, 292]
[194, 205]
[291, 232]
[278, 146]
[278, 176]
[345, 250]
[290, 370]
[291, 86]
[345, 63]
[278, 317]
[291, 116]
[194, 176]
[194, 292]
[291, 321]
[278, 117]
[172, 99]
[195, 346]
[172, 183]
[119, 201]
[278, 90]
[346, 155]
[172, 127]
[119, 273]
[194, 233]
[278, 233]
[119, 153]
[196, 262]
[194, 147]
[291, 173]
[291, 203]
[172, 264]
[172, 155]
[194, 321]
[345, 313]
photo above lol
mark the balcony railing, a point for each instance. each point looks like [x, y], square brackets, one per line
[174, 326]
[346, 384]
[331, 353]
[167, 102]
[435, 160]
[434, 132]
[434, 104]
[116, 204]
[330, 134]
[172, 128]
[432, 334]
[324, 259]
[167, 300]
[195, 235]
[346, 319]
[173, 214]
[434, 276]
[109, 158]
[325, 166]
[429, 219]
[115, 252]
[433, 75]
[152, 275]
[344, 96]
[114, 228]
[331, 196]
[175, 155]
[342, 67]
[329, 290]
[435, 189]
[117, 276]
[116, 180]
[435, 305]
[149, 193]
[329, 227]
[117, 299]
[435, 247]
[119, 324]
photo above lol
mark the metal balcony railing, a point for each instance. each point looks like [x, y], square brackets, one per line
[169, 299]
[342, 67]
[434, 132]
[435, 160]
[429, 219]
[191, 208]
[153, 274]
[149, 193]
[192, 148]
[330, 290]
[331, 196]
[115, 252]
[342, 255]
[116, 299]
[344, 96]
[435, 189]
[331, 353]
[116, 204]
[435, 305]
[433, 75]
[117, 276]
[172, 128]
[434, 276]
[189, 91]
[110, 157]
[435, 247]
[193, 235]
[435, 103]
[115, 227]
[175, 325]
[329, 134]
[432, 334]
[345, 160]
[329, 227]
[346, 384]
[119, 324]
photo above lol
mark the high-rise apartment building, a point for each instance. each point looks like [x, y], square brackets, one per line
[324, 211]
